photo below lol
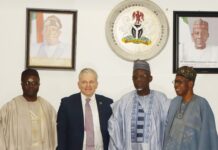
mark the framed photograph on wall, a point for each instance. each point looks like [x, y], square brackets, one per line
[195, 40]
[50, 38]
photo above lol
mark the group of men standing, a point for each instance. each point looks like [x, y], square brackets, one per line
[142, 119]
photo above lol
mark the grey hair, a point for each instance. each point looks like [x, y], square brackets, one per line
[88, 70]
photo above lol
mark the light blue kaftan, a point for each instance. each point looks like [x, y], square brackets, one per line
[194, 130]
[155, 106]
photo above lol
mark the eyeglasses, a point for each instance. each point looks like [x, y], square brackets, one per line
[31, 83]
[179, 81]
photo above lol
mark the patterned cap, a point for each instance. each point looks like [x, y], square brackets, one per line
[141, 64]
[200, 24]
[187, 72]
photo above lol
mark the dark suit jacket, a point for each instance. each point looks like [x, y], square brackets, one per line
[70, 121]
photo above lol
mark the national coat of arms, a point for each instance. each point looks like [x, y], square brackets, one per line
[137, 29]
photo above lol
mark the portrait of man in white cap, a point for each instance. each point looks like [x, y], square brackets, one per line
[200, 33]
[195, 45]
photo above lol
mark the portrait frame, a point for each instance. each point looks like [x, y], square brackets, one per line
[51, 38]
[191, 51]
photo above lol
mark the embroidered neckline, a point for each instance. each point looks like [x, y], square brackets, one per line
[182, 109]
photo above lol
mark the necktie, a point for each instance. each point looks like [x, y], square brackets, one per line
[90, 145]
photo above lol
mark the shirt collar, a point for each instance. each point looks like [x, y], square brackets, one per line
[83, 97]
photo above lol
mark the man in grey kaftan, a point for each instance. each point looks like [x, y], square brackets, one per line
[190, 121]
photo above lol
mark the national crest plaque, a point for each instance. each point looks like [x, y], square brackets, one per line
[137, 29]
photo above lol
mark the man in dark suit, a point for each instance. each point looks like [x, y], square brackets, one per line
[74, 131]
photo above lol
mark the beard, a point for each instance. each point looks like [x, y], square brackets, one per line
[139, 89]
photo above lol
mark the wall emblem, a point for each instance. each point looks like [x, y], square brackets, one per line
[137, 29]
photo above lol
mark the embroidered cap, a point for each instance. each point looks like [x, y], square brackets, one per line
[141, 64]
[200, 24]
[187, 72]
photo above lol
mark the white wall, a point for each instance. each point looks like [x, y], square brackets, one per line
[92, 51]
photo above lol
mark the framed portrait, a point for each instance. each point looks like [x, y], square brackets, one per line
[50, 38]
[137, 29]
[195, 40]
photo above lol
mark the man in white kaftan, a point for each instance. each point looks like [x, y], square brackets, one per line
[138, 118]
[28, 122]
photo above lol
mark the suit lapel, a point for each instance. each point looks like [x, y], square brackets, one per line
[77, 111]
[100, 109]
[80, 110]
